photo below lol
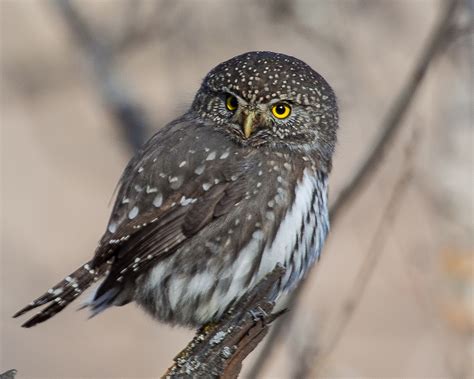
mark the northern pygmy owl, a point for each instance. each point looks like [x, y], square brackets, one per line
[217, 198]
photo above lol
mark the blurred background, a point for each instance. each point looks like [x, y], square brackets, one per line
[392, 295]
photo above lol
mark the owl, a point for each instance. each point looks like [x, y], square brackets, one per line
[217, 198]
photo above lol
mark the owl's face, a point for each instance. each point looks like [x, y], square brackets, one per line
[273, 100]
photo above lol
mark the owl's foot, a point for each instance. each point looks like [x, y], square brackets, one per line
[258, 314]
[207, 328]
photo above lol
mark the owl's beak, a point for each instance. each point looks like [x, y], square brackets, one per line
[249, 119]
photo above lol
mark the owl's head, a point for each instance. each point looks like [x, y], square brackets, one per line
[273, 100]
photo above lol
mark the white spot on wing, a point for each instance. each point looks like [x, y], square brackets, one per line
[151, 189]
[187, 200]
[211, 156]
[224, 155]
[158, 200]
[112, 227]
[200, 169]
[133, 213]
[175, 181]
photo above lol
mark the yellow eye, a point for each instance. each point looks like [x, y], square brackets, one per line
[281, 110]
[231, 103]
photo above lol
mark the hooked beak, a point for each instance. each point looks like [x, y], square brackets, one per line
[248, 124]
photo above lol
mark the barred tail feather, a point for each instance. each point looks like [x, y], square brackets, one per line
[62, 294]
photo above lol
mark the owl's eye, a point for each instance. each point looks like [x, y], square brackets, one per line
[231, 103]
[281, 110]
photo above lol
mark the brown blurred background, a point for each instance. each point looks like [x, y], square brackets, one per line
[63, 151]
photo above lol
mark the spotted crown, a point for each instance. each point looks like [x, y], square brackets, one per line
[262, 76]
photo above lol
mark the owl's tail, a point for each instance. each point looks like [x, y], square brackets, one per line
[62, 294]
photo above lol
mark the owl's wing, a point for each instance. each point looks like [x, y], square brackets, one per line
[163, 237]
[183, 180]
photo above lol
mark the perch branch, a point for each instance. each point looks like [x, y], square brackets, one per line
[389, 127]
[115, 95]
[219, 352]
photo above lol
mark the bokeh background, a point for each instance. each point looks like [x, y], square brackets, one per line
[62, 151]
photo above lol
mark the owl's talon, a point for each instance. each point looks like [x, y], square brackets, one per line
[208, 328]
[258, 314]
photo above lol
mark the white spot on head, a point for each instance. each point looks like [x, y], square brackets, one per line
[140, 169]
[206, 186]
[183, 163]
[158, 200]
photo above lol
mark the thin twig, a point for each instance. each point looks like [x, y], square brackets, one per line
[219, 352]
[10, 374]
[390, 126]
[115, 94]
[371, 259]
[394, 118]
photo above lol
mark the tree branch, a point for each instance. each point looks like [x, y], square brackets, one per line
[218, 350]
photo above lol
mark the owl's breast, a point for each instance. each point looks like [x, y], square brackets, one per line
[199, 282]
